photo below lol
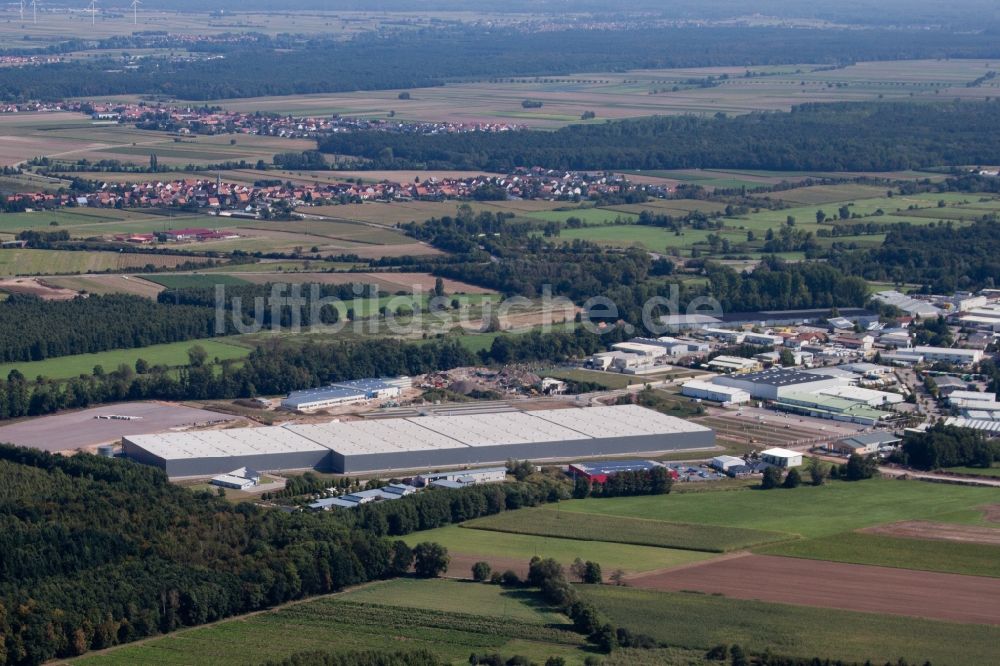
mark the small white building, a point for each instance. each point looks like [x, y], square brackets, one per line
[238, 479]
[734, 364]
[781, 457]
[465, 477]
[640, 349]
[727, 395]
[723, 463]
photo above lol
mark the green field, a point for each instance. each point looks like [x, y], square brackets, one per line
[807, 511]
[924, 555]
[611, 556]
[172, 355]
[976, 471]
[449, 618]
[589, 216]
[615, 529]
[608, 380]
[701, 621]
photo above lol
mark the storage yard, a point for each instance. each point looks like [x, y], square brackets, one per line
[421, 441]
[81, 429]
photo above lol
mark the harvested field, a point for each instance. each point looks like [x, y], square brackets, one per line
[922, 529]
[991, 512]
[66, 262]
[391, 282]
[33, 287]
[968, 599]
[81, 429]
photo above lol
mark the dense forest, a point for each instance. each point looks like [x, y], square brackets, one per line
[95, 552]
[947, 446]
[942, 256]
[33, 329]
[812, 137]
[428, 57]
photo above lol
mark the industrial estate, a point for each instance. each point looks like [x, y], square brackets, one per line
[535, 333]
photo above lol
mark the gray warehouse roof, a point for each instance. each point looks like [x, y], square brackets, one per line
[781, 377]
[296, 398]
[422, 433]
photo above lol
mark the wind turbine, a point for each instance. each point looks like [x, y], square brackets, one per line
[34, 11]
[135, 12]
[22, 10]
[93, 12]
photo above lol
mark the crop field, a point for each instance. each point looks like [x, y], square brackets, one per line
[398, 615]
[16, 261]
[505, 550]
[616, 529]
[172, 355]
[389, 214]
[192, 281]
[870, 589]
[647, 93]
[822, 194]
[700, 621]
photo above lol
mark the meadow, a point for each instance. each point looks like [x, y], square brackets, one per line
[172, 354]
[808, 511]
[972, 559]
[448, 618]
[616, 529]
[700, 621]
[522, 547]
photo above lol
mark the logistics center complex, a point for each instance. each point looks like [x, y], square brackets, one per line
[420, 442]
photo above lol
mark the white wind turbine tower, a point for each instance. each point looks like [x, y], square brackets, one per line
[22, 10]
[34, 11]
[93, 12]
[135, 12]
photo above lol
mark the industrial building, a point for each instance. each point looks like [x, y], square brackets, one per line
[765, 318]
[725, 463]
[599, 472]
[345, 393]
[949, 355]
[421, 442]
[727, 395]
[464, 477]
[778, 382]
[734, 364]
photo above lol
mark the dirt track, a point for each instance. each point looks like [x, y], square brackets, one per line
[920, 529]
[969, 599]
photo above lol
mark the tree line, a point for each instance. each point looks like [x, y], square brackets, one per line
[876, 136]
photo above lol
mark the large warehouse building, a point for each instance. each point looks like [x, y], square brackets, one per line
[421, 442]
[776, 383]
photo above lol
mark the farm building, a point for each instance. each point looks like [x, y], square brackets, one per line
[421, 442]
[777, 382]
[599, 472]
[727, 395]
[781, 457]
